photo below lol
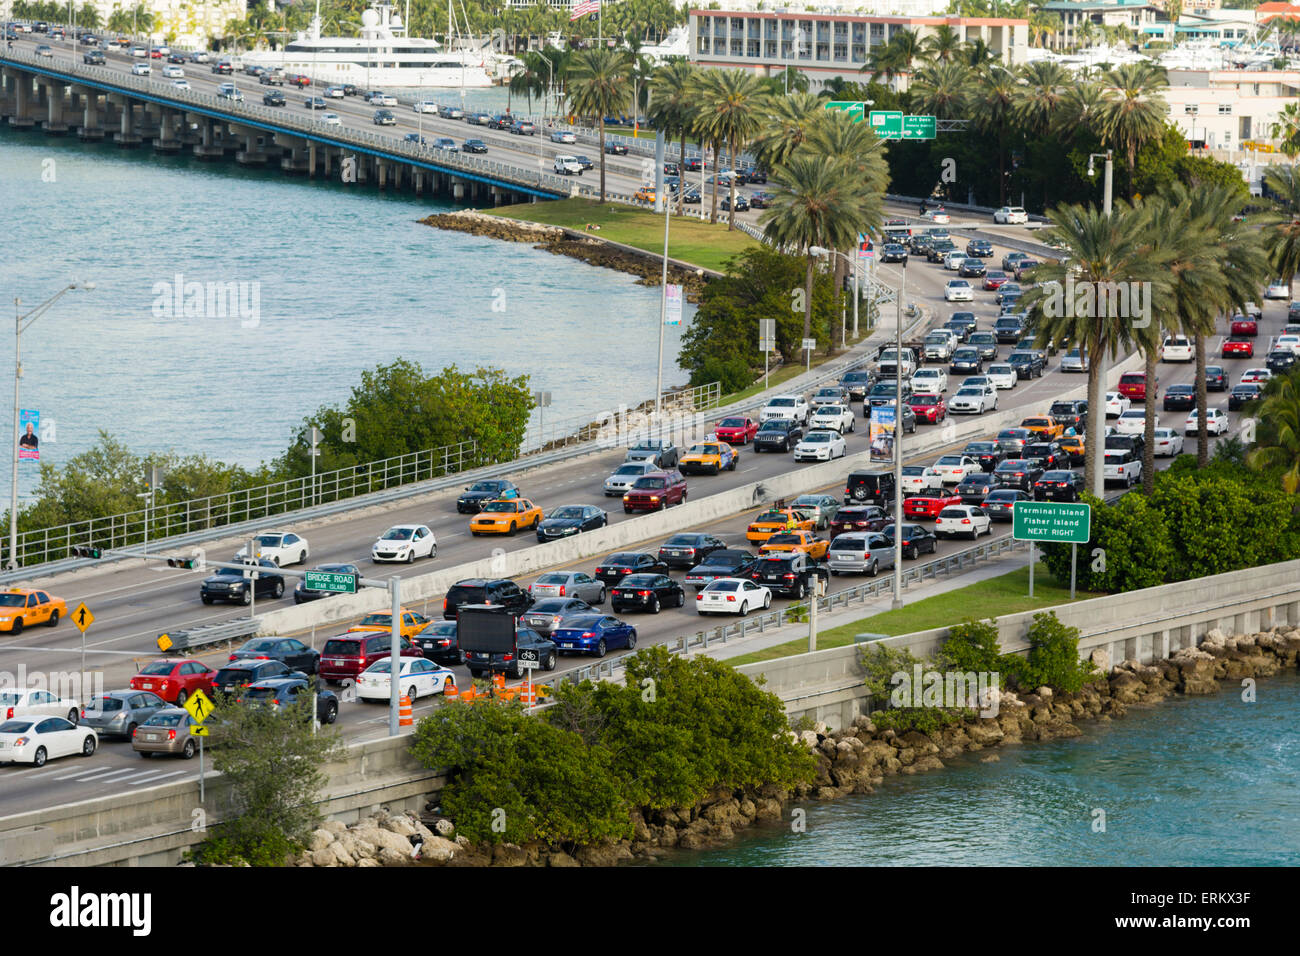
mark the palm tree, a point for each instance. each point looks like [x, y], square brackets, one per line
[728, 112]
[977, 54]
[816, 203]
[1041, 26]
[1287, 129]
[1039, 101]
[530, 79]
[1283, 238]
[943, 45]
[993, 100]
[786, 122]
[1134, 113]
[895, 57]
[1277, 436]
[1105, 251]
[942, 90]
[1082, 107]
[670, 110]
[598, 86]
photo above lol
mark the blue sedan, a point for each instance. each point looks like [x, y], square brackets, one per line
[594, 634]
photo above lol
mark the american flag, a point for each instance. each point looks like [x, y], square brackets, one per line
[582, 8]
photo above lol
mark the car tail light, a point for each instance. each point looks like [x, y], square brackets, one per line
[731, 597]
[965, 520]
[171, 735]
[700, 595]
[232, 657]
[444, 604]
[507, 657]
[22, 741]
[561, 590]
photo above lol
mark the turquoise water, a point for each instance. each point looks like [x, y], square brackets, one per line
[1203, 781]
[345, 278]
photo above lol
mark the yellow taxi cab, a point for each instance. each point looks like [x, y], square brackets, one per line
[1044, 427]
[1073, 446]
[506, 516]
[644, 194]
[788, 541]
[777, 521]
[708, 457]
[382, 621]
[24, 607]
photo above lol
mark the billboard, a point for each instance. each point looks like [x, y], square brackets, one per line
[882, 433]
[485, 628]
[29, 429]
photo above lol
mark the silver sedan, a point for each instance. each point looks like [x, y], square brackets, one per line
[574, 584]
[119, 712]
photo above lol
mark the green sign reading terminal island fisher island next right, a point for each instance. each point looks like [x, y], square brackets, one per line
[1068, 522]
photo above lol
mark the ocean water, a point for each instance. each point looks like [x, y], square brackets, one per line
[1201, 781]
[342, 279]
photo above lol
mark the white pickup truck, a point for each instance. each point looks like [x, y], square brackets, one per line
[888, 360]
[785, 406]
[568, 166]
[939, 345]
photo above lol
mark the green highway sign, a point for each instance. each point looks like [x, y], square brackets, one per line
[334, 581]
[848, 106]
[919, 127]
[1062, 521]
[888, 124]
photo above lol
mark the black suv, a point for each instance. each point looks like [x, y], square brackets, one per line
[727, 563]
[1008, 328]
[283, 691]
[778, 434]
[1028, 364]
[787, 574]
[857, 383]
[502, 592]
[870, 488]
[229, 584]
[237, 675]
[1070, 415]
[1049, 454]
[471, 502]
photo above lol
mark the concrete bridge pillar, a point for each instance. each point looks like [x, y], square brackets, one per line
[54, 114]
[311, 160]
[496, 196]
[328, 157]
[169, 139]
[381, 169]
[126, 135]
[23, 118]
[90, 128]
[457, 188]
[207, 148]
[419, 182]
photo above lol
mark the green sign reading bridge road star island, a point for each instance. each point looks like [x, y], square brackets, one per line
[1064, 521]
[334, 581]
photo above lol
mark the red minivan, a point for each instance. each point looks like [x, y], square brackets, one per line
[1133, 386]
[346, 656]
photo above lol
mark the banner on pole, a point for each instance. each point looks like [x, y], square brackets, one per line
[29, 427]
[882, 433]
[865, 249]
[673, 315]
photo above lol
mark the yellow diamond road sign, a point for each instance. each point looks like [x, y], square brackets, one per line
[164, 642]
[198, 730]
[199, 706]
[82, 618]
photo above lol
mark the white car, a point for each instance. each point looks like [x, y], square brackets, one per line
[331, 119]
[936, 215]
[35, 740]
[1254, 311]
[953, 468]
[784, 406]
[939, 346]
[918, 479]
[383, 99]
[962, 520]
[181, 84]
[837, 417]
[1074, 361]
[973, 399]
[625, 475]
[929, 381]
[563, 136]
[732, 596]
[1011, 216]
[1216, 422]
[1168, 443]
[1257, 375]
[1117, 404]
[173, 72]
[976, 381]
[333, 93]
[140, 69]
[418, 678]
[405, 542]
[958, 290]
[425, 106]
[1122, 467]
[1133, 422]
[822, 445]
[1002, 375]
[1176, 348]
[568, 166]
[139, 52]
[36, 702]
[952, 261]
[282, 548]
[1289, 341]
[1277, 289]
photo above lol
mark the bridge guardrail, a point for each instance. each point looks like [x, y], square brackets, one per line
[193, 638]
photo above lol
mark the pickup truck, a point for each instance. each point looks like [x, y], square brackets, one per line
[939, 345]
[785, 406]
[887, 363]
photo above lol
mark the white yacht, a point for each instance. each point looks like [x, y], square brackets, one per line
[382, 56]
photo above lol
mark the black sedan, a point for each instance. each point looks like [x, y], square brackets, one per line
[284, 691]
[549, 613]
[273, 98]
[302, 593]
[1280, 360]
[987, 453]
[585, 162]
[971, 268]
[727, 563]
[288, 650]
[474, 146]
[1000, 504]
[617, 566]
[1028, 364]
[570, 520]
[1216, 380]
[1018, 473]
[315, 103]
[616, 149]
[1241, 394]
[231, 584]
[979, 247]
[237, 675]
[917, 539]
[1179, 398]
[894, 252]
[688, 550]
[742, 204]
[974, 488]
[647, 592]
[438, 643]
[471, 502]
[1058, 486]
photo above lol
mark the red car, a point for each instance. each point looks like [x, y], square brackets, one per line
[930, 409]
[655, 490]
[929, 506]
[736, 431]
[155, 54]
[173, 678]
[1238, 348]
[995, 280]
[1133, 386]
[1243, 325]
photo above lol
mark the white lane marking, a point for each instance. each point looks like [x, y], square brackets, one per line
[83, 774]
[154, 777]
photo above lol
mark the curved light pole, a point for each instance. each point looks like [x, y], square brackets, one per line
[22, 322]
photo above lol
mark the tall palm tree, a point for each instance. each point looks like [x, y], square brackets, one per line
[670, 110]
[1277, 436]
[1283, 237]
[942, 90]
[729, 112]
[993, 100]
[976, 54]
[1287, 129]
[1134, 113]
[1082, 108]
[1039, 101]
[816, 203]
[896, 57]
[943, 45]
[598, 85]
[1106, 251]
[786, 121]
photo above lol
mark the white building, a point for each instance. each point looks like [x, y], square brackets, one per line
[190, 23]
[1222, 109]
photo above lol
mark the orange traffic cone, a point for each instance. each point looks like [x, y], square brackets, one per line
[404, 718]
[449, 691]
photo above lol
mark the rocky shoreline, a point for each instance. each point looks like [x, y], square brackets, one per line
[854, 760]
[590, 249]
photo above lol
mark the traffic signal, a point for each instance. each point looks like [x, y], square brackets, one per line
[86, 551]
[188, 563]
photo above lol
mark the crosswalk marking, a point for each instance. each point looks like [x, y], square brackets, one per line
[155, 777]
[99, 777]
[83, 774]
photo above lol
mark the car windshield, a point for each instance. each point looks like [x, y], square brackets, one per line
[267, 644]
[13, 600]
[733, 423]
[484, 486]
[567, 513]
[105, 704]
[500, 506]
[781, 403]
[397, 534]
[968, 391]
[158, 668]
[651, 484]
[818, 437]
[631, 470]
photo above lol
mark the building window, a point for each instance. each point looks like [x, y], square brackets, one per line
[751, 48]
[1191, 109]
[1225, 109]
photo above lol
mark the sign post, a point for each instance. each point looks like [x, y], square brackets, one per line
[335, 582]
[528, 660]
[1061, 521]
[200, 707]
[766, 343]
[808, 346]
[83, 619]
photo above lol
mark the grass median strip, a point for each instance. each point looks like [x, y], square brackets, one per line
[993, 597]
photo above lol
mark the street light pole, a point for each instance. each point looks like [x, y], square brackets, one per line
[19, 327]
[1097, 423]
[898, 446]
[663, 318]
